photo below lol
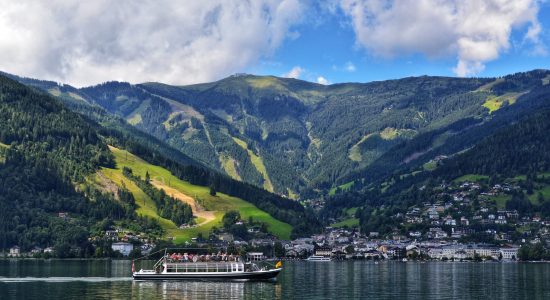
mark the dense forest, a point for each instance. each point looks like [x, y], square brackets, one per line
[459, 135]
[50, 149]
[522, 148]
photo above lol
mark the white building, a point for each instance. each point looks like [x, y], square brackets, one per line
[124, 248]
[323, 251]
[509, 253]
[482, 251]
[436, 253]
[15, 251]
[254, 256]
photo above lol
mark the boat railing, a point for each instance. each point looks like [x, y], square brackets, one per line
[204, 267]
[185, 257]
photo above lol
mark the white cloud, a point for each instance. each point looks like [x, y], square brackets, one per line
[295, 72]
[475, 31]
[84, 42]
[347, 67]
[322, 80]
[350, 67]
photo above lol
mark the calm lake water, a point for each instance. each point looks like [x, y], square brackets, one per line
[57, 279]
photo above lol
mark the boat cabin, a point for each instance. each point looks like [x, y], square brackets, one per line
[201, 267]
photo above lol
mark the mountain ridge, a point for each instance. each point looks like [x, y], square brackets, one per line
[310, 137]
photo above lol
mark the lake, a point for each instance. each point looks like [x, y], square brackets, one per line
[67, 279]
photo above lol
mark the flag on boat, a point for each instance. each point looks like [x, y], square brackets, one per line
[278, 264]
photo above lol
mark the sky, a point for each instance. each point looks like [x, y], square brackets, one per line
[184, 42]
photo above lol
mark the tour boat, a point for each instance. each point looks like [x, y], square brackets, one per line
[205, 267]
[318, 258]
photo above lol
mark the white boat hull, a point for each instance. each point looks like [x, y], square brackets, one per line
[253, 275]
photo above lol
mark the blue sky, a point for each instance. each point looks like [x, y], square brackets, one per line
[327, 41]
[326, 49]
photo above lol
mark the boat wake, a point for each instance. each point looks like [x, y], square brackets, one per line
[63, 279]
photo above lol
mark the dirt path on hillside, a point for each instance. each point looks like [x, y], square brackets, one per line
[198, 211]
[106, 185]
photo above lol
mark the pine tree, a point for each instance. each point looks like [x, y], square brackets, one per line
[212, 190]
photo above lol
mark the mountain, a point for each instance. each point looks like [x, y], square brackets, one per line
[64, 180]
[302, 139]
[151, 156]
[509, 169]
[513, 98]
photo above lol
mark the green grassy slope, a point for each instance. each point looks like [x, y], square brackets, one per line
[213, 207]
[344, 187]
[3, 148]
[350, 220]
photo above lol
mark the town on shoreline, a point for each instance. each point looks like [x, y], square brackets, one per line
[335, 243]
[466, 221]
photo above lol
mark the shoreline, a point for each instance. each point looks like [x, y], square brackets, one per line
[286, 260]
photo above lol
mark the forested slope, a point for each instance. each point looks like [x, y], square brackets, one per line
[50, 152]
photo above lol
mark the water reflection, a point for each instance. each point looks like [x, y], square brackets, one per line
[299, 280]
[189, 289]
[206, 290]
